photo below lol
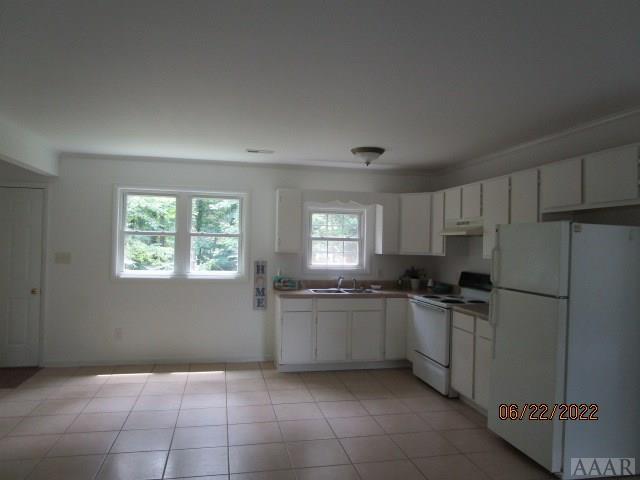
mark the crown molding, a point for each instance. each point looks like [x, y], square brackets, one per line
[538, 141]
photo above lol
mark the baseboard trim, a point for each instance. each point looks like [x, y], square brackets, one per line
[152, 361]
[320, 367]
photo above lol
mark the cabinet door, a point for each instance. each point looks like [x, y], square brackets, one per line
[437, 223]
[395, 343]
[288, 220]
[472, 201]
[462, 362]
[482, 371]
[495, 211]
[524, 197]
[561, 184]
[387, 231]
[332, 332]
[415, 220]
[611, 176]
[297, 337]
[453, 203]
[367, 335]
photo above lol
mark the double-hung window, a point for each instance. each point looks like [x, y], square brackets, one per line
[180, 234]
[335, 239]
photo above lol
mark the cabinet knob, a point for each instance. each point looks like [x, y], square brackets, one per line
[35, 291]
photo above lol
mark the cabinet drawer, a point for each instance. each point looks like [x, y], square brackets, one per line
[297, 305]
[463, 321]
[347, 304]
[483, 329]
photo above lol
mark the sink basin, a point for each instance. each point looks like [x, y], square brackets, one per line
[341, 290]
[358, 290]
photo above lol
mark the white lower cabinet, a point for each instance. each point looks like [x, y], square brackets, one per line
[395, 335]
[481, 371]
[340, 330]
[471, 346]
[297, 337]
[332, 336]
[367, 336]
[462, 362]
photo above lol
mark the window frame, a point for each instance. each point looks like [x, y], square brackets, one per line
[361, 211]
[182, 235]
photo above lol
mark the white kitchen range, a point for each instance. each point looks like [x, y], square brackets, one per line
[431, 322]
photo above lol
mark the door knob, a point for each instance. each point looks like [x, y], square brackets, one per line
[35, 291]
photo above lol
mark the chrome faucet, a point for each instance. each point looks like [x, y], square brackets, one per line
[354, 284]
[340, 279]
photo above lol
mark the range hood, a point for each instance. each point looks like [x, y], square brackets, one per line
[463, 227]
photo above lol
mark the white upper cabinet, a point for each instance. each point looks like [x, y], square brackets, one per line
[288, 220]
[415, 223]
[561, 184]
[495, 210]
[472, 200]
[437, 224]
[453, 203]
[387, 240]
[611, 176]
[524, 197]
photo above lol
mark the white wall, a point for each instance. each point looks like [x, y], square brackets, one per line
[13, 174]
[463, 253]
[165, 320]
[24, 148]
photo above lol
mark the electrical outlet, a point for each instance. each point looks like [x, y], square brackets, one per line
[117, 333]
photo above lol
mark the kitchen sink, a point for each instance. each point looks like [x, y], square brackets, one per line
[327, 290]
[342, 290]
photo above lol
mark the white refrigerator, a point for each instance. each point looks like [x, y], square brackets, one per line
[566, 315]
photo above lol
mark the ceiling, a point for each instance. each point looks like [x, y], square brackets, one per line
[433, 82]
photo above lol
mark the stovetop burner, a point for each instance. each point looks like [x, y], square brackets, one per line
[452, 300]
[476, 301]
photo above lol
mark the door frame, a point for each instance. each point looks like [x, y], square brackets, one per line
[46, 189]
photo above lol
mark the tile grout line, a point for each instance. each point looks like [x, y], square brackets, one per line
[175, 426]
[286, 447]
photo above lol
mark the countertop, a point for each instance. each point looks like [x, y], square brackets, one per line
[306, 293]
[475, 309]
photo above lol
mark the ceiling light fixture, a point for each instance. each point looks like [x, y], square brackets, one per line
[367, 154]
[260, 150]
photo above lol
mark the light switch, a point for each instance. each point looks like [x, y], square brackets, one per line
[62, 258]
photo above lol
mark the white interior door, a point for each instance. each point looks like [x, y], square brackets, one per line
[528, 367]
[20, 272]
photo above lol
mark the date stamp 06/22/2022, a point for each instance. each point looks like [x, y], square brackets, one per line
[544, 412]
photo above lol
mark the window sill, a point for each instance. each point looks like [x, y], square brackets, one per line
[239, 278]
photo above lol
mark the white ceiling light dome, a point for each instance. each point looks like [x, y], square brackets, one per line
[367, 154]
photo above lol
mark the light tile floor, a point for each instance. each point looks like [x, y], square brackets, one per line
[244, 422]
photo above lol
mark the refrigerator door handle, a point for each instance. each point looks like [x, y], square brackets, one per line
[492, 320]
[494, 265]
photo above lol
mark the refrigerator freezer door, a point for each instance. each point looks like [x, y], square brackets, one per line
[528, 367]
[533, 257]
